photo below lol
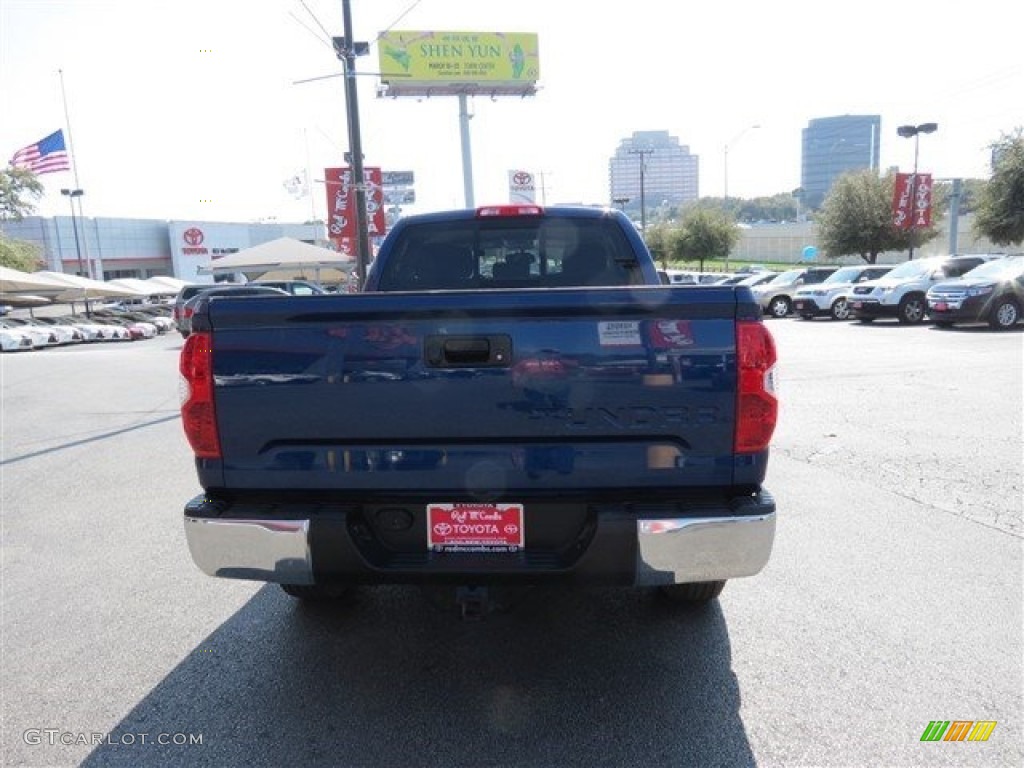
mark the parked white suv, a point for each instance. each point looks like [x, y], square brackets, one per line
[901, 293]
[829, 298]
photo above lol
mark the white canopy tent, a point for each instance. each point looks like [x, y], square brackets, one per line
[77, 288]
[134, 284]
[85, 290]
[285, 253]
[171, 284]
[13, 281]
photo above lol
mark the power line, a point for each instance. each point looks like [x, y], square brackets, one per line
[313, 16]
[302, 24]
[400, 16]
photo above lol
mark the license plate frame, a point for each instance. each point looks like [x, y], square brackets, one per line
[488, 528]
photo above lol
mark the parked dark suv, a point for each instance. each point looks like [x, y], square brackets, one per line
[183, 316]
[992, 293]
[294, 287]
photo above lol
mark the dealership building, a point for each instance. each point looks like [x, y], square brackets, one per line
[109, 248]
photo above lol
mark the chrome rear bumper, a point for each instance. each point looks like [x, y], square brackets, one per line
[728, 544]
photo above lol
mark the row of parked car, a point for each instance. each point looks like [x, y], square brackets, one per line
[104, 324]
[944, 290]
[190, 295]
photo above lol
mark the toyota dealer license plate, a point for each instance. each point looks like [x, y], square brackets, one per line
[941, 306]
[475, 527]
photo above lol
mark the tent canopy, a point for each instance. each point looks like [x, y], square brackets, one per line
[133, 284]
[15, 281]
[283, 253]
[165, 284]
[77, 288]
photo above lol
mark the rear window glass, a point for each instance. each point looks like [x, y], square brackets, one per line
[510, 253]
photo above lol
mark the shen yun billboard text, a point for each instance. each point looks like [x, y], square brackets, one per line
[420, 63]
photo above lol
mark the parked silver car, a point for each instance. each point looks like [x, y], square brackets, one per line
[776, 296]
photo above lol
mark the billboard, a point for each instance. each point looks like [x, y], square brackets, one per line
[341, 206]
[417, 63]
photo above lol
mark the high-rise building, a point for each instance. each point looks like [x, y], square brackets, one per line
[833, 146]
[670, 174]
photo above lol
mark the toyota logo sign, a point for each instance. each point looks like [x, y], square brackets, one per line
[522, 178]
[193, 236]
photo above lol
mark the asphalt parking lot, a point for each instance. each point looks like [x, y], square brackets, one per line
[893, 597]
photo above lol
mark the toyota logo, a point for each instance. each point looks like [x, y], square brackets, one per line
[522, 178]
[193, 236]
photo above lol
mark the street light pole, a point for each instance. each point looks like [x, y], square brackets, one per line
[71, 194]
[621, 202]
[346, 50]
[725, 159]
[915, 131]
[642, 153]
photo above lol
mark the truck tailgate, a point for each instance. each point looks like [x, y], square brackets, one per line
[478, 392]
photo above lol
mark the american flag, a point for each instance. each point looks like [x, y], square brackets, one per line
[45, 156]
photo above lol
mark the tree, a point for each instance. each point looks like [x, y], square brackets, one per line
[1000, 213]
[19, 188]
[17, 254]
[704, 234]
[856, 218]
[658, 239]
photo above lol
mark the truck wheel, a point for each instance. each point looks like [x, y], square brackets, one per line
[315, 592]
[696, 592]
[911, 309]
[840, 309]
[779, 306]
[1004, 315]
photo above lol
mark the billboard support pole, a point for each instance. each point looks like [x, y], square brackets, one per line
[467, 154]
[346, 51]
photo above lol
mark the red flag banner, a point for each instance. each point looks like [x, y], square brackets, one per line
[923, 201]
[901, 196]
[912, 201]
[341, 206]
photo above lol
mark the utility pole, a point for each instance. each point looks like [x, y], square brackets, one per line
[725, 159]
[642, 154]
[345, 48]
[71, 194]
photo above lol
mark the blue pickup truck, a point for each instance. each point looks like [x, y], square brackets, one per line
[513, 398]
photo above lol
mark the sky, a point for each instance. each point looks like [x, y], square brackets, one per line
[193, 110]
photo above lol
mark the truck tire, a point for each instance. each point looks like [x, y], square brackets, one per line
[315, 592]
[911, 309]
[1004, 314]
[696, 592]
[840, 310]
[779, 306]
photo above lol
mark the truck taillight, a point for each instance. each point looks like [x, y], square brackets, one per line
[197, 412]
[757, 408]
[509, 210]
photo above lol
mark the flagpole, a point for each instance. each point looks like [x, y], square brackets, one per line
[309, 176]
[95, 270]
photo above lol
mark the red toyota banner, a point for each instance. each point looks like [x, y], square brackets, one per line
[341, 206]
[912, 201]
